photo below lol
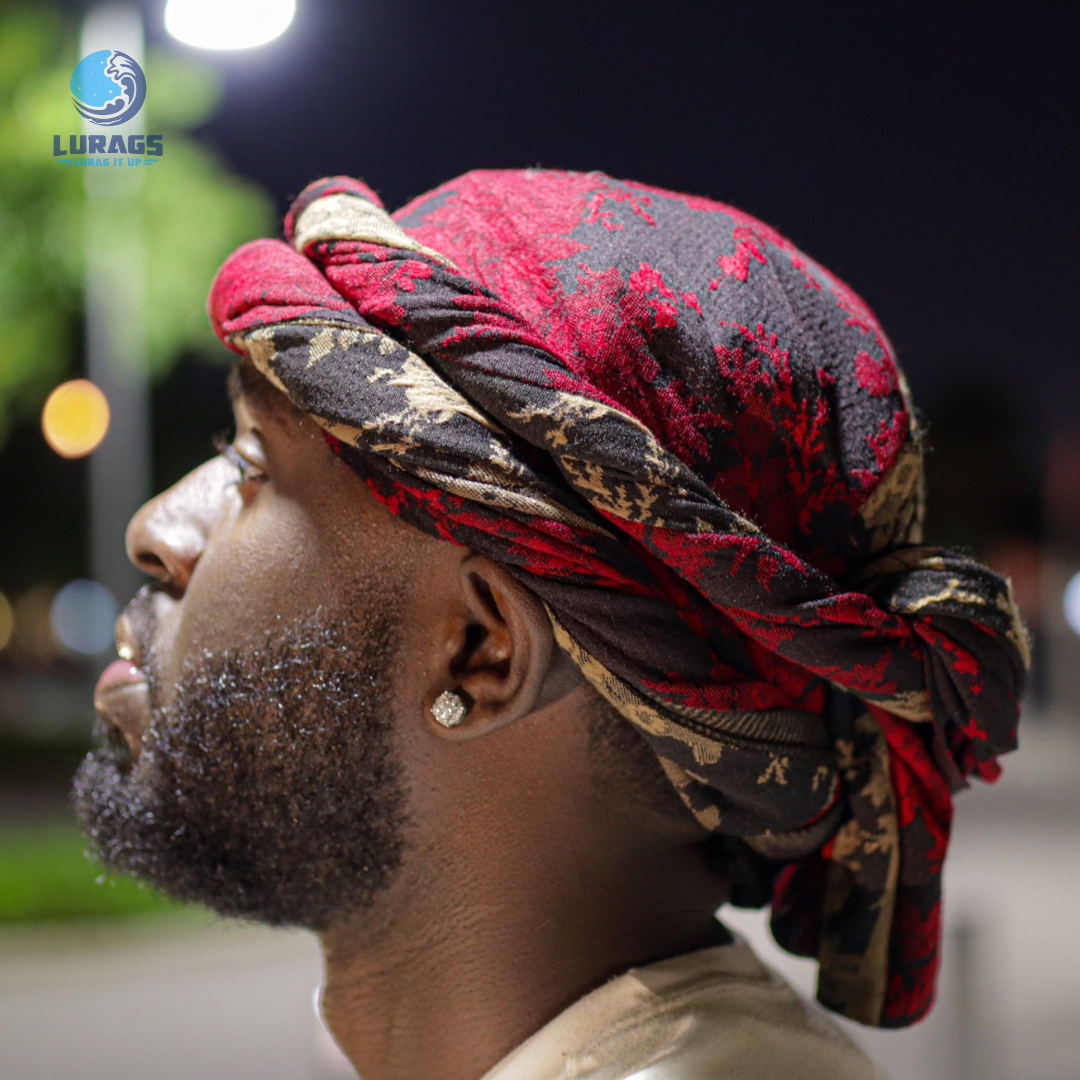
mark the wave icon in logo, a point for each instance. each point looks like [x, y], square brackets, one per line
[108, 87]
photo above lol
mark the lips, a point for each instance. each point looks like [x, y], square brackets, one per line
[122, 699]
[118, 675]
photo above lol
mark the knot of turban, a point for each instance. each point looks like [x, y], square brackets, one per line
[694, 444]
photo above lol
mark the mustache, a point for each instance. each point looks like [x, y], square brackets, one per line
[142, 620]
[142, 617]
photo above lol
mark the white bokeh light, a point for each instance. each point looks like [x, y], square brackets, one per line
[1070, 602]
[228, 24]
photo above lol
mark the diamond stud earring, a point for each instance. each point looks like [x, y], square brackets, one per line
[448, 709]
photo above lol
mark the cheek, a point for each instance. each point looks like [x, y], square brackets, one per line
[264, 566]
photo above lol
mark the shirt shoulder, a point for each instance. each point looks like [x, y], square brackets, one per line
[716, 1014]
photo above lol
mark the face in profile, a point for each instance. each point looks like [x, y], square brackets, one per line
[267, 744]
[247, 757]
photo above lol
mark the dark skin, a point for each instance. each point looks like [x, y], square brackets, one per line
[522, 887]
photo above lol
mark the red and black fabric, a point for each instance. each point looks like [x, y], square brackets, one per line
[694, 444]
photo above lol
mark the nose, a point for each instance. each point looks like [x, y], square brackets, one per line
[167, 537]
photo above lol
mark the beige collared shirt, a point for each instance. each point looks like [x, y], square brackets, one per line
[716, 1014]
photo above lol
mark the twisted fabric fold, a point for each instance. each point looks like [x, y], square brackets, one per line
[714, 485]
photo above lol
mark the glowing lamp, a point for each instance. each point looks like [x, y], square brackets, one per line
[75, 418]
[228, 24]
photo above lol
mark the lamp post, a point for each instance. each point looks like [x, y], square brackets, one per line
[114, 259]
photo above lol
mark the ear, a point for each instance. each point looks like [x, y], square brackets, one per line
[502, 659]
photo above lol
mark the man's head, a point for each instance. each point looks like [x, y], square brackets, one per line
[276, 756]
[648, 450]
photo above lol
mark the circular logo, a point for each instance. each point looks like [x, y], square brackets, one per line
[108, 87]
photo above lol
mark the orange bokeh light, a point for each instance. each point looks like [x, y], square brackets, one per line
[75, 418]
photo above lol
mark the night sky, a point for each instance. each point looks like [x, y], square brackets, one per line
[926, 154]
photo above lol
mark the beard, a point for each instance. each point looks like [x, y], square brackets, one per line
[268, 788]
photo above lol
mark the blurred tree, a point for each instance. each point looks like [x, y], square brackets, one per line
[194, 210]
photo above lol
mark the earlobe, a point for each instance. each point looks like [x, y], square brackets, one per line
[502, 657]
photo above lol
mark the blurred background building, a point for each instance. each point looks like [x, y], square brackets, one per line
[923, 152]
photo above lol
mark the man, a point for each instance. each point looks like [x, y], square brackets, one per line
[564, 579]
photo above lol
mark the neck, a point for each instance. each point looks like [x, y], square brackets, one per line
[477, 946]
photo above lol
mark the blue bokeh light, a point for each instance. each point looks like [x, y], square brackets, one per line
[1070, 602]
[82, 616]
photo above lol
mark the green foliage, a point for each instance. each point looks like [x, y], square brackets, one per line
[39, 207]
[191, 209]
[45, 875]
[195, 214]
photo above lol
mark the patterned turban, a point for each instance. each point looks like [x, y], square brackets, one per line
[693, 443]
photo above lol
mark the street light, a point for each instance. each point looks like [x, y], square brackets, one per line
[228, 24]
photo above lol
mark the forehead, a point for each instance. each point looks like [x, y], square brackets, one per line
[248, 388]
